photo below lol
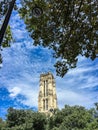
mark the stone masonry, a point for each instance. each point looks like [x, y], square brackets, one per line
[47, 99]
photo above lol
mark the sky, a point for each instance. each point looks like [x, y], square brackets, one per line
[20, 74]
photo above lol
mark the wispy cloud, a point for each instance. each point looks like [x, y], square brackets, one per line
[25, 94]
[78, 87]
[23, 64]
[73, 98]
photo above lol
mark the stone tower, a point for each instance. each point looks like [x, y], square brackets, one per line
[47, 99]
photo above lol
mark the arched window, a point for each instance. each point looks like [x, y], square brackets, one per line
[46, 104]
[46, 87]
[43, 105]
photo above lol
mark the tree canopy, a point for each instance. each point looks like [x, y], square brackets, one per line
[68, 118]
[69, 27]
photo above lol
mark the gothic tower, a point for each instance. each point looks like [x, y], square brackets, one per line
[47, 99]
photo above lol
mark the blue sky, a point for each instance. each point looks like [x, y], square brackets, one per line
[22, 65]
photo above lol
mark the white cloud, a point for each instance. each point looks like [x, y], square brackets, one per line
[23, 65]
[73, 98]
[78, 85]
[18, 27]
[14, 91]
[82, 69]
[21, 71]
[29, 93]
[90, 82]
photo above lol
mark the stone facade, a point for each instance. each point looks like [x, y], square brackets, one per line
[47, 99]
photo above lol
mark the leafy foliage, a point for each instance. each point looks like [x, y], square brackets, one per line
[3, 8]
[8, 34]
[70, 28]
[25, 119]
[6, 41]
[69, 118]
[7, 38]
[2, 124]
